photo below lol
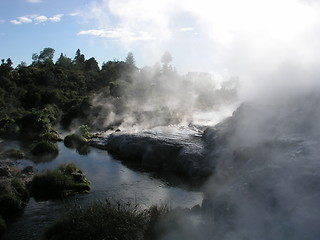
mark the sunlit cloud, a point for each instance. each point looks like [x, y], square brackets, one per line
[36, 19]
[16, 22]
[74, 14]
[56, 18]
[40, 19]
[118, 34]
[24, 19]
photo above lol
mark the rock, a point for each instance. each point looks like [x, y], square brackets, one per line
[175, 149]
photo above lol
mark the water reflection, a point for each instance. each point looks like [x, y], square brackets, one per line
[110, 179]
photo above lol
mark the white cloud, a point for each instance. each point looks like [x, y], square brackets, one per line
[118, 34]
[37, 19]
[25, 19]
[16, 22]
[56, 18]
[74, 14]
[34, 1]
[40, 19]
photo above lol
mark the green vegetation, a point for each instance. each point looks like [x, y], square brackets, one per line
[12, 154]
[45, 148]
[67, 180]
[106, 221]
[13, 198]
[79, 140]
[36, 97]
[3, 225]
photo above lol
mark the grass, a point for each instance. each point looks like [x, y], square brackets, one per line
[44, 148]
[67, 180]
[106, 221]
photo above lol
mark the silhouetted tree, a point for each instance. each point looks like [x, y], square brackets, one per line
[64, 61]
[130, 59]
[166, 58]
[46, 55]
[91, 64]
[79, 59]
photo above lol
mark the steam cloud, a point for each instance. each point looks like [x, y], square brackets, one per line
[154, 98]
[266, 182]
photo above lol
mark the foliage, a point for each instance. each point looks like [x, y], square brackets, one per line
[3, 225]
[102, 221]
[84, 131]
[13, 198]
[13, 154]
[66, 180]
[45, 147]
[78, 139]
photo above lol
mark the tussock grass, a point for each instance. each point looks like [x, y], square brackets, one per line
[121, 221]
[67, 180]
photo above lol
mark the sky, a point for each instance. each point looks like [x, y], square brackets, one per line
[236, 37]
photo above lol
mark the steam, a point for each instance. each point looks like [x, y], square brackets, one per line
[266, 181]
[156, 96]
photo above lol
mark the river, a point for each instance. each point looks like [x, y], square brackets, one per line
[110, 179]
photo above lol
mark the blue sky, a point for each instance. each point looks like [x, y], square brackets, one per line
[205, 35]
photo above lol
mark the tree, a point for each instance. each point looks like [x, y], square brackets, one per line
[91, 64]
[64, 61]
[46, 55]
[130, 60]
[166, 58]
[6, 67]
[79, 59]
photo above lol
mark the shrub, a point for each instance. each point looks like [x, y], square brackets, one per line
[74, 140]
[13, 154]
[13, 197]
[8, 128]
[45, 147]
[34, 125]
[20, 189]
[101, 221]
[84, 131]
[78, 138]
[3, 225]
[66, 180]
[10, 205]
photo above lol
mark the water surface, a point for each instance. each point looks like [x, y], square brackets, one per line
[110, 179]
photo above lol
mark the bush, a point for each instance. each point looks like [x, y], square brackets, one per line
[13, 198]
[3, 225]
[101, 221]
[13, 154]
[10, 205]
[34, 125]
[8, 128]
[74, 140]
[79, 138]
[84, 131]
[44, 148]
[20, 189]
[65, 181]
